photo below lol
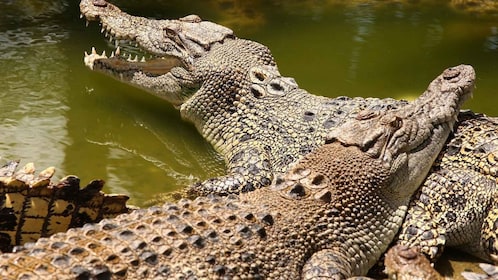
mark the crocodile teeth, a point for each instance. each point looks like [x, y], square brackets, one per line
[118, 51]
[143, 59]
[90, 58]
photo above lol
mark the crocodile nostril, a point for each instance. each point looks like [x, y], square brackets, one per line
[100, 3]
[451, 73]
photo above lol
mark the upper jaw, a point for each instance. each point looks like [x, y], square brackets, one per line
[184, 38]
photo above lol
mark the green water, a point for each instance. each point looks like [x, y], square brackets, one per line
[54, 111]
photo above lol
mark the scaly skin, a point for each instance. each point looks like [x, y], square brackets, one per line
[32, 206]
[457, 204]
[332, 215]
[262, 122]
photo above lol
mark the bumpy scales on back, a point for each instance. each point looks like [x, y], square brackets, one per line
[32, 206]
[331, 215]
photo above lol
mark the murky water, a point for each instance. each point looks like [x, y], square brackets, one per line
[54, 111]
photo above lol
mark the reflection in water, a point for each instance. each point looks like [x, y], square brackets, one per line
[434, 35]
[33, 95]
[491, 43]
[362, 18]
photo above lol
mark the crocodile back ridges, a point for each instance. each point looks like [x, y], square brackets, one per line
[32, 206]
[266, 233]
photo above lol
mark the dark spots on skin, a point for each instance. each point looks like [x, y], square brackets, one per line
[111, 258]
[247, 257]
[138, 245]
[80, 272]
[309, 116]
[57, 245]
[329, 123]
[260, 231]
[61, 261]
[317, 180]
[267, 218]
[125, 234]
[245, 137]
[167, 252]
[265, 181]
[325, 196]
[211, 234]
[452, 149]
[219, 270]
[428, 235]
[164, 270]
[260, 76]
[157, 239]
[276, 86]
[256, 92]
[102, 272]
[412, 231]
[135, 262]
[288, 159]
[456, 201]
[149, 257]
[297, 191]
[238, 156]
[109, 226]
[249, 187]
[185, 229]
[244, 231]
[304, 150]
[451, 217]
[211, 259]
[77, 251]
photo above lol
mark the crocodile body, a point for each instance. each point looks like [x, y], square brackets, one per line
[457, 204]
[32, 206]
[261, 122]
[332, 215]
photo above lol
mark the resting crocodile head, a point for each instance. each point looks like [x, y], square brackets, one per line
[171, 43]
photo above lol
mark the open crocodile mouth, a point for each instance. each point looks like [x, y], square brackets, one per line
[116, 63]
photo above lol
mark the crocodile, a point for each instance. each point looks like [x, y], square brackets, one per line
[32, 206]
[262, 122]
[457, 204]
[331, 215]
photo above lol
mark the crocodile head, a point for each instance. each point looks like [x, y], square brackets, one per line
[173, 46]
